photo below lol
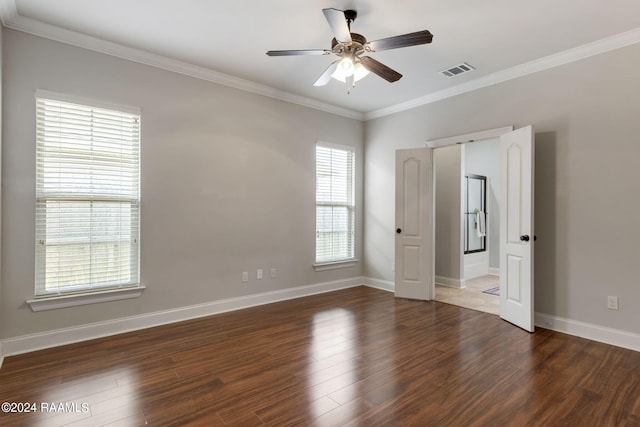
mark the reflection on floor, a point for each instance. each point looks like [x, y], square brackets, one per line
[472, 296]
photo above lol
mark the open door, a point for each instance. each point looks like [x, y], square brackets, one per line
[516, 228]
[414, 219]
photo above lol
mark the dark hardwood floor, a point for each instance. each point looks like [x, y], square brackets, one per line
[355, 357]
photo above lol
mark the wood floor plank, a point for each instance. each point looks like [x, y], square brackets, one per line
[353, 357]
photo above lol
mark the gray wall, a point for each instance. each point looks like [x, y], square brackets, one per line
[228, 183]
[587, 157]
[483, 158]
[448, 165]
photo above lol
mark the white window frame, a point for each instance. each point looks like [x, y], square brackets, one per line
[95, 291]
[350, 204]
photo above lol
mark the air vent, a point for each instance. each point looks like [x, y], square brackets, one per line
[457, 70]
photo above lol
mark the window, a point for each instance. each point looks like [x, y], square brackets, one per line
[335, 203]
[87, 197]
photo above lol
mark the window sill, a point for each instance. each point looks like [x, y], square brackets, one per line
[63, 301]
[335, 264]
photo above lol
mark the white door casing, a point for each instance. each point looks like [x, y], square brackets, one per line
[414, 224]
[517, 228]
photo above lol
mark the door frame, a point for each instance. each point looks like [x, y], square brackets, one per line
[445, 142]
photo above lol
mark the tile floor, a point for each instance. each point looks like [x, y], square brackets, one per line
[472, 296]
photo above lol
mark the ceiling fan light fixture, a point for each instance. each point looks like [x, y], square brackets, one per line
[359, 72]
[345, 68]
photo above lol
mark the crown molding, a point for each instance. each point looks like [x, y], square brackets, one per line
[11, 19]
[561, 58]
[8, 11]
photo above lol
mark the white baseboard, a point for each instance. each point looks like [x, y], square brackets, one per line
[39, 341]
[494, 271]
[33, 342]
[383, 285]
[449, 281]
[590, 331]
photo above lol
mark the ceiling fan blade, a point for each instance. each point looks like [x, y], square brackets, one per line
[380, 69]
[298, 52]
[411, 39]
[326, 76]
[338, 24]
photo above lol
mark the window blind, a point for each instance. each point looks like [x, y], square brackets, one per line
[87, 197]
[335, 203]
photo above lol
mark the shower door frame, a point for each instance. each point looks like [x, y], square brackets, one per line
[466, 218]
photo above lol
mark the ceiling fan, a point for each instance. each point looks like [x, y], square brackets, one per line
[349, 47]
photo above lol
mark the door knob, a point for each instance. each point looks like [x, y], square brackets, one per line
[398, 230]
[524, 238]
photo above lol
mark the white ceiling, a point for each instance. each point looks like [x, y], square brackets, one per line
[231, 37]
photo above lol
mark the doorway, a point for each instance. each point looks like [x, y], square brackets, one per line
[467, 224]
[416, 247]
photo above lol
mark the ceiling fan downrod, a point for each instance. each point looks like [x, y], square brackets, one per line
[350, 15]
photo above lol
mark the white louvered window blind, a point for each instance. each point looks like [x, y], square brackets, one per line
[335, 203]
[87, 197]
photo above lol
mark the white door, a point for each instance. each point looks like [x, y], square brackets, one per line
[516, 228]
[414, 219]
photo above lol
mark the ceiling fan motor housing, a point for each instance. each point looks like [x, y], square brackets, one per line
[357, 42]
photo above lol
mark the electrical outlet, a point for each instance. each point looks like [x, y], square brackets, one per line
[274, 273]
[245, 276]
[259, 274]
[612, 302]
